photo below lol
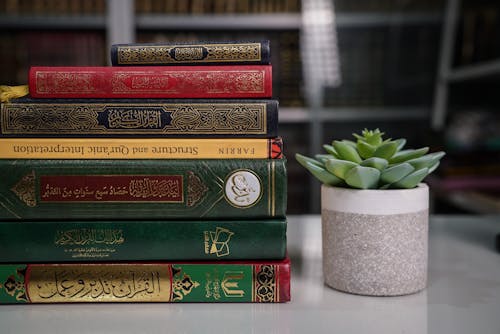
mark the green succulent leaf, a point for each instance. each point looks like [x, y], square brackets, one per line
[412, 180]
[401, 143]
[330, 150]
[365, 150]
[322, 175]
[303, 160]
[371, 137]
[346, 151]
[350, 143]
[433, 167]
[405, 155]
[339, 168]
[362, 177]
[375, 162]
[371, 161]
[323, 158]
[396, 173]
[386, 150]
[426, 161]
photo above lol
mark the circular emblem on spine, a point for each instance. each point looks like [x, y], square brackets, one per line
[243, 188]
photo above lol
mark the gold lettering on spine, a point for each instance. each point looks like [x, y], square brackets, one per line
[134, 118]
[152, 188]
[188, 53]
[98, 283]
[84, 236]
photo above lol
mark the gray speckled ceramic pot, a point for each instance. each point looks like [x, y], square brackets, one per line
[375, 241]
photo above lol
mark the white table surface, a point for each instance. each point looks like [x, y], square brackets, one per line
[463, 296]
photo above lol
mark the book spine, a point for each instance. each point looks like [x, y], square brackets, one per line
[206, 53]
[140, 148]
[257, 282]
[139, 118]
[241, 81]
[96, 241]
[142, 189]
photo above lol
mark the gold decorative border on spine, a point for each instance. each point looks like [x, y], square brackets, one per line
[25, 189]
[196, 189]
[265, 284]
[161, 54]
[198, 118]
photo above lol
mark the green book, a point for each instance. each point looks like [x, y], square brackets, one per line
[142, 189]
[253, 282]
[202, 240]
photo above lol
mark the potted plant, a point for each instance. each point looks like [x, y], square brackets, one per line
[374, 210]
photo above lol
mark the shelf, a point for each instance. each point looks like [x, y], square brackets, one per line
[344, 20]
[474, 71]
[53, 22]
[283, 21]
[303, 115]
[474, 201]
[220, 21]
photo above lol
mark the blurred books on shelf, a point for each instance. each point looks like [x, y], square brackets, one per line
[200, 7]
[52, 7]
[479, 33]
[22, 49]
[400, 70]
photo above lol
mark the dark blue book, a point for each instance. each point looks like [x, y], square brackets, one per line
[196, 53]
[27, 117]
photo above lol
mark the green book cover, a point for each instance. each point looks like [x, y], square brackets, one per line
[80, 241]
[142, 189]
[258, 282]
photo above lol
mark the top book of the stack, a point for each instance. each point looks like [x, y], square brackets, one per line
[195, 53]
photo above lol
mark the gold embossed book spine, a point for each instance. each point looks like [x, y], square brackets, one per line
[142, 189]
[203, 53]
[201, 118]
[258, 282]
[141, 148]
[142, 240]
[229, 81]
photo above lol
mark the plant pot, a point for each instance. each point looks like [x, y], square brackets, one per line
[375, 241]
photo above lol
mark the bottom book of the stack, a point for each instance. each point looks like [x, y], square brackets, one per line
[267, 281]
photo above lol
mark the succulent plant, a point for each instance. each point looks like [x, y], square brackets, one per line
[371, 162]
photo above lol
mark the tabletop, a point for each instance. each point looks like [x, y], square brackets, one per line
[463, 296]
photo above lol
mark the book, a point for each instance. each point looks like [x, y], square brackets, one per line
[258, 282]
[142, 189]
[194, 53]
[26, 117]
[230, 81]
[140, 148]
[132, 240]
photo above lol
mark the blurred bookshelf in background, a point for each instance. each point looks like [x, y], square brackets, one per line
[389, 54]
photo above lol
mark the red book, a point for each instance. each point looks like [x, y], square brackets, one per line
[239, 81]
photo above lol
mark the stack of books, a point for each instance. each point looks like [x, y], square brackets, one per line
[159, 183]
